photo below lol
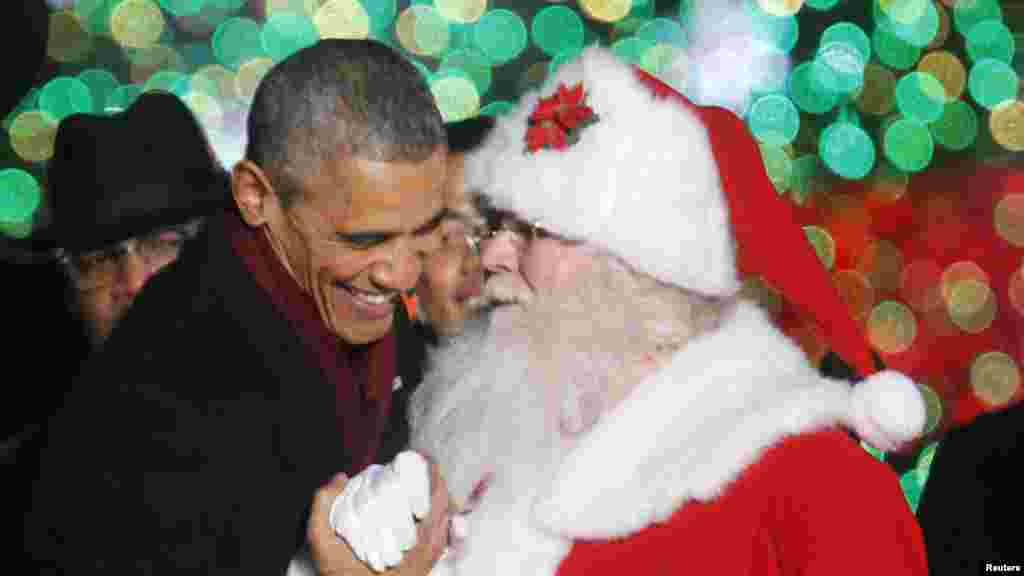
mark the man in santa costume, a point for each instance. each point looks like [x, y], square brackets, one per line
[627, 410]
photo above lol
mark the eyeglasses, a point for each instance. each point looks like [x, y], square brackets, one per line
[99, 268]
[526, 231]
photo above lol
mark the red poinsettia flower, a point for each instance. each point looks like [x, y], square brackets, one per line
[545, 134]
[556, 119]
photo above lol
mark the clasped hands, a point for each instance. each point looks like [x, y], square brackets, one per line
[387, 517]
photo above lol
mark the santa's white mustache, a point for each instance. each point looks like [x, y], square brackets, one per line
[507, 288]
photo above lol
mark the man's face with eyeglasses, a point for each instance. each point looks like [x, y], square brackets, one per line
[357, 238]
[108, 280]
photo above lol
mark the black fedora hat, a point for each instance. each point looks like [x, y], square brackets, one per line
[116, 176]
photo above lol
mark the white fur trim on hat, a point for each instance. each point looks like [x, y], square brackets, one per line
[641, 182]
[887, 410]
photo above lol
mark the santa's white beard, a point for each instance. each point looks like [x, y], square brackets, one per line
[502, 405]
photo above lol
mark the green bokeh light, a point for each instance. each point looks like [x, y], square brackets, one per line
[497, 108]
[991, 39]
[908, 145]
[285, 33]
[781, 32]
[893, 51]
[456, 95]
[382, 15]
[64, 96]
[920, 96]
[237, 41]
[779, 167]
[992, 82]
[501, 35]
[631, 49]
[19, 196]
[96, 15]
[557, 29]
[171, 81]
[122, 97]
[773, 120]
[560, 59]
[812, 87]
[957, 128]
[967, 14]
[471, 62]
[821, 4]
[846, 150]
[432, 32]
[101, 84]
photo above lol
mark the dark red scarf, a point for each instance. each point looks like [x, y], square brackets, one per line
[361, 375]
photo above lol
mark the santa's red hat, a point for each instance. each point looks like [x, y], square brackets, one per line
[608, 153]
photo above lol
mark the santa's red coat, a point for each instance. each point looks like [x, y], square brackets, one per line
[789, 514]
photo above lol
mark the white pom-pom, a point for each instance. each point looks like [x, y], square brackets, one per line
[887, 410]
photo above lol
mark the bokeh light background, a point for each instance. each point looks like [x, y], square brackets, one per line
[893, 125]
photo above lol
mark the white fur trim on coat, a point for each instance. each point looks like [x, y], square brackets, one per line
[688, 431]
[641, 182]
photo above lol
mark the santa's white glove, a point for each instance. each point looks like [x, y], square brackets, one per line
[376, 512]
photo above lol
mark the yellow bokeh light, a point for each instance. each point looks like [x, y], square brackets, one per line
[215, 80]
[1006, 124]
[461, 11]
[882, 263]
[824, 245]
[249, 76]
[1016, 290]
[754, 288]
[660, 58]
[958, 272]
[995, 378]
[856, 292]
[307, 7]
[342, 19]
[933, 408]
[1009, 219]
[69, 40]
[456, 97]
[137, 23]
[206, 109]
[971, 306]
[606, 10]
[149, 61]
[422, 31]
[891, 327]
[878, 94]
[948, 70]
[32, 133]
[781, 8]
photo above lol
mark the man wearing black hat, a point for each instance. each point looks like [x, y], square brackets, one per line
[265, 360]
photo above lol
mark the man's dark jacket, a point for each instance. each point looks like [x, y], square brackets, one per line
[973, 499]
[195, 441]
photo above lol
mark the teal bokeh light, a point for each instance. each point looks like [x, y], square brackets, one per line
[64, 96]
[471, 62]
[918, 30]
[774, 120]
[991, 39]
[848, 33]
[557, 29]
[497, 108]
[846, 63]
[182, 7]
[101, 85]
[846, 150]
[992, 82]
[812, 87]
[122, 97]
[285, 33]
[968, 14]
[501, 35]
